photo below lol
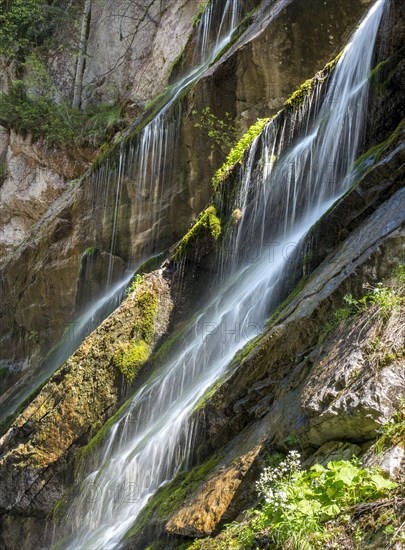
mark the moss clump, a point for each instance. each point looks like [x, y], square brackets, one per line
[145, 326]
[169, 498]
[236, 153]
[91, 251]
[130, 358]
[297, 98]
[208, 222]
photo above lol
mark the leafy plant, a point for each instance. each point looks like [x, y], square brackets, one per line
[221, 133]
[27, 24]
[386, 299]
[296, 503]
[57, 123]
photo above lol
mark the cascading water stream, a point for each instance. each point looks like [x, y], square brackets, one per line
[73, 336]
[299, 181]
[148, 165]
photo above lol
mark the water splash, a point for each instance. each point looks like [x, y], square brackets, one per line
[298, 182]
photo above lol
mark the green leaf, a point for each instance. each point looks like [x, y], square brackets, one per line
[332, 510]
[381, 482]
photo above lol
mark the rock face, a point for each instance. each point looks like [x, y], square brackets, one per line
[116, 215]
[131, 48]
[307, 381]
[71, 407]
[33, 178]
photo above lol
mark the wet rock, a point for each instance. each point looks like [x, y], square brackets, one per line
[75, 403]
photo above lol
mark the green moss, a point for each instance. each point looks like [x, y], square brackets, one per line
[208, 395]
[145, 326]
[208, 222]
[130, 358]
[371, 157]
[297, 98]
[200, 10]
[135, 282]
[91, 251]
[237, 152]
[151, 264]
[59, 509]
[169, 498]
[374, 72]
[300, 285]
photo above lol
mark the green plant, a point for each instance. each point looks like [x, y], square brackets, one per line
[399, 274]
[33, 336]
[35, 24]
[386, 299]
[296, 504]
[57, 123]
[237, 152]
[221, 133]
[340, 315]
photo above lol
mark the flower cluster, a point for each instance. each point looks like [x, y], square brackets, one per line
[271, 484]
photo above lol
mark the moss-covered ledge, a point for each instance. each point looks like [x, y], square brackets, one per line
[208, 224]
[87, 390]
[293, 103]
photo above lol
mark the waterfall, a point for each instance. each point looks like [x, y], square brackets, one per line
[72, 338]
[206, 43]
[145, 166]
[305, 167]
[148, 163]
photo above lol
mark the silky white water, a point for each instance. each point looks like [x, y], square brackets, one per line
[148, 165]
[72, 338]
[299, 179]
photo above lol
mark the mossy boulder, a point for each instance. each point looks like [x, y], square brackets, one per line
[77, 400]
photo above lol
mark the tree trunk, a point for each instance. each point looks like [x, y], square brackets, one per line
[81, 58]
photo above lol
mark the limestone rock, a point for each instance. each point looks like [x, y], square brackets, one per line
[333, 450]
[391, 460]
